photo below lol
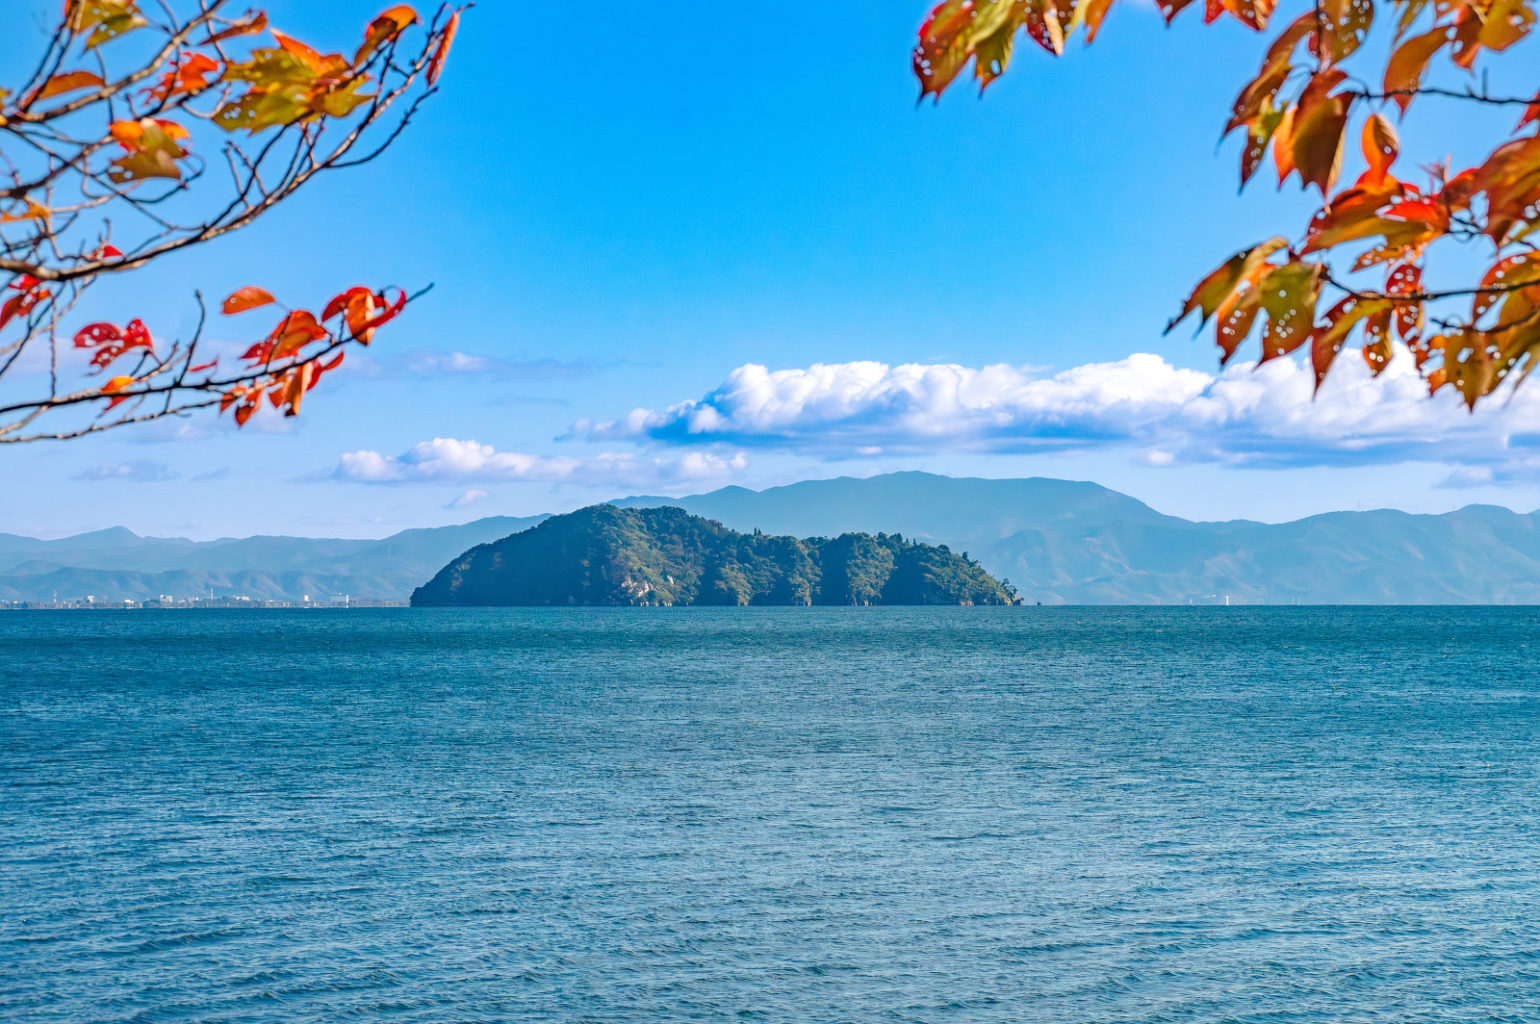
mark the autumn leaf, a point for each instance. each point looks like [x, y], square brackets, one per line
[1317, 137]
[1213, 290]
[1381, 145]
[188, 77]
[1504, 23]
[441, 52]
[253, 24]
[1289, 295]
[112, 343]
[31, 293]
[154, 147]
[106, 19]
[1328, 338]
[31, 210]
[1404, 71]
[70, 81]
[242, 299]
[383, 29]
[1347, 23]
[1519, 269]
[294, 332]
[1404, 282]
[363, 311]
[1377, 350]
[114, 387]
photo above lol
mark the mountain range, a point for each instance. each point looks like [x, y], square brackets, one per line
[1058, 541]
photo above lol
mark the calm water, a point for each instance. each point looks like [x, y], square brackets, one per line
[788, 815]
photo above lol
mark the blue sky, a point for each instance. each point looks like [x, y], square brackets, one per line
[625, 215]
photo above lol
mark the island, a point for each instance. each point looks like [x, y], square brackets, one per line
[606, 555]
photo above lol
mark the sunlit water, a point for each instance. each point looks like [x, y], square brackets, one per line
[782, 814]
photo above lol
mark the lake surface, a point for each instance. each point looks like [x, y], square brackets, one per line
[1083, 815]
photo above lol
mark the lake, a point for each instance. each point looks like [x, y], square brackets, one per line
[1007, 814]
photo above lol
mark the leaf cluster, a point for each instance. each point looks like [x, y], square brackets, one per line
[1313, 290]
[109, 162]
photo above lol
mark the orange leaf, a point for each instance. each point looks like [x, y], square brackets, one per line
[1377, 350]
[436, 65]
[1522, 268]
[1318, 141]
[249, 297]
[1328, 338]
[189, 76]
[1215, 289]
[251, 25]
[1403, 73]
[1381, 145]
[310, 57]
[383, 29]
[113, 387]
[69, 82]
[294, 332]
[1283, 145]
[154, 147]
[34, 211]
[1405, 281]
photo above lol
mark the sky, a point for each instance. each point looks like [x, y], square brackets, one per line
[675, 247]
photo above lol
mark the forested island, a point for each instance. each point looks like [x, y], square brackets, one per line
[604, 555]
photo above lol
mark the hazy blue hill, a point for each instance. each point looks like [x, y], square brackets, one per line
[1058, 541]
[1066, 542]
[606, 555]
[923, 505]
[118, 565]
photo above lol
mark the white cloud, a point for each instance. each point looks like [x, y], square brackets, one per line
[447, 460]
[469, 497]
[1261, 417]
[141, 471]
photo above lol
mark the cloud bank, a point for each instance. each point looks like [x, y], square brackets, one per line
[447, 460]
[1264, 417]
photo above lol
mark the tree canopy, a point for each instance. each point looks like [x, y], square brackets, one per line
[1362, 270]
[143, 132]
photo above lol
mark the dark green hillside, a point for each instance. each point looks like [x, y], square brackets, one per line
[606, 555]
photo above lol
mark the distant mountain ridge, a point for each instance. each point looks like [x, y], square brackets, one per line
[1072, 542]
[608, 556]
[118, 565]
[1058, 541]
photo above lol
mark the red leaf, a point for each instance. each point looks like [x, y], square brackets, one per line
[97, 334]
[19, 305]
